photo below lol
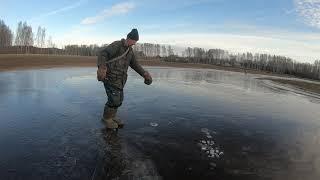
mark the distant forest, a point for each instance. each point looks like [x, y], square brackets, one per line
[25, 41]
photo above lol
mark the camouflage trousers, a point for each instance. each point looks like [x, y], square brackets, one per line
[115, 95]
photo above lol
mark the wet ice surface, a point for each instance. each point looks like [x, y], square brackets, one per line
[190, 124]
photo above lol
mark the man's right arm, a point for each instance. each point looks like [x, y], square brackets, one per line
[107, 53]
[103, 56]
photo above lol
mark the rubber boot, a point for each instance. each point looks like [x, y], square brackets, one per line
[108, 115]
[118, 120]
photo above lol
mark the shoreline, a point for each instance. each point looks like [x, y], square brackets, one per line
[10, 62]
[301, 85]
[13, 62]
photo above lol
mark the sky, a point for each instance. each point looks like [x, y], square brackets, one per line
[283, 27]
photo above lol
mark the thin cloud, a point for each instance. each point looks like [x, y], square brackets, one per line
[146, 27]
[309, 11]
[118, 9]
[57, 11]
[173, 5]
[289, 11]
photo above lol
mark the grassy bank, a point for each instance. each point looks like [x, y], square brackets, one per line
[303, 85]
[31, 61]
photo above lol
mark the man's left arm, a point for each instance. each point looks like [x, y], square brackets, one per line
[137, 67]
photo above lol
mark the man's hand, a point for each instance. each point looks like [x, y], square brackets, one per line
[101, 73]
[147, 78]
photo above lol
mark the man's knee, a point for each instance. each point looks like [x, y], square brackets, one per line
[115, 100]
[114, 104]
[115, 97]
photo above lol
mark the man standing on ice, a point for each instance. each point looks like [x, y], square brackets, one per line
[113, 62]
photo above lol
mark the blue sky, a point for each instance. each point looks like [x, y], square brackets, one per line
[284, 27]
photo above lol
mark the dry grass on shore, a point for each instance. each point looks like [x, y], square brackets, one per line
[303, 85]
[33, 61]
[19, 62]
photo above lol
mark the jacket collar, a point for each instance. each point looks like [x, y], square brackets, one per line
[123, 42]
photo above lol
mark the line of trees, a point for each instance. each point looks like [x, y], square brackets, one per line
[82, 50]
[142, 50]
[24, 39]
[154, 50]
[261, 62]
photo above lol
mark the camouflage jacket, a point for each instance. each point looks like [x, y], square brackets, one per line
[117, 70]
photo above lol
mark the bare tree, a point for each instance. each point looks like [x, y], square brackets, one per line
[18, 41]
[38, 37]
[170, 50]
[24, 36]
[164, 51]
[6, 35]
[27, 36]
[43, 38]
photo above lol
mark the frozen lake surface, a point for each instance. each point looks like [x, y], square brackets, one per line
[189, 124]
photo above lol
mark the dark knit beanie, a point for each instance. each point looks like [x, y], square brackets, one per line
[134, 35]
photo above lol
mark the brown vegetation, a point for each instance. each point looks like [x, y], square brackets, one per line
[14, 61]
[306, 86]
